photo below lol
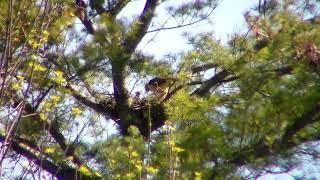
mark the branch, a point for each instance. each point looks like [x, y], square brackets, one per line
[308, 118]
[61, 171]
[82, 14]
[119, 65]
[106, 109]
[121, 94]
[47, 165]
[140, 27]
[117, 7]
[97, 6]
[219, 78]
[184, 25]
[214, 80]
[53, 129]
[313, 19]
[261, 149]
[175, 90]
[203, 67]
[55, 133]
[42, 96]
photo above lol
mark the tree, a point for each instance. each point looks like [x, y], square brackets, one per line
[68, 67]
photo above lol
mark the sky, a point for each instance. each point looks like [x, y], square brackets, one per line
[226, 19]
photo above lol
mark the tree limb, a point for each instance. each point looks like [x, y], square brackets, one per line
[117, 7]
[308, 118]
[214, 80]
[97, 6]
[185, 25]
[261, 149]
[61, 171]
[55, 133]
[105, 108]
[140, 27]
[203, 67]
[178, 88]
[82, 14]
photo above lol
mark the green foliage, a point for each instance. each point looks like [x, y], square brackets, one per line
[123, 155]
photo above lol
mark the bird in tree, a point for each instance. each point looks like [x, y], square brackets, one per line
[159, 86]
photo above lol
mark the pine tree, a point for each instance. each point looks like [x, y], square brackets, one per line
[236, 110]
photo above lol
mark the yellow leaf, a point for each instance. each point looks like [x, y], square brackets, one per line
[70, 158]
[45, 33]
[197, 175]
[85, 170]
[134, 154]
[45, 39]
[35, 45]
[76, 111]
[132, 161]
[33, 57]
[177, 149]
[40, 68]
[264, 53]
[59, 77]
[16, 86]
[55, 99]
[152, 170]
[49, 150]
[42, 116]
[139, 167]
[129, 175]
[59, 74]
[98, 174]
[20, 77]
[30, 41]
[172, 143]
[269, 140]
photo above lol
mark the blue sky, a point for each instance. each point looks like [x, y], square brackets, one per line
[226, 19]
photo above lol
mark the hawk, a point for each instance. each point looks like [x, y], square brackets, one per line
[159, 86]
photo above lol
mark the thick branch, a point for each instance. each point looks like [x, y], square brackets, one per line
[55, 133]
[178, 88]
[83, 16]
[57, 136]
[105, 109]
[47, 165]
[114, 9]
[121, 93]
[97, 6]
[308, 118]
[61, 172]
[220, 77]
[140, 27]
[203, 67]
[214, 80]
[261, 149]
